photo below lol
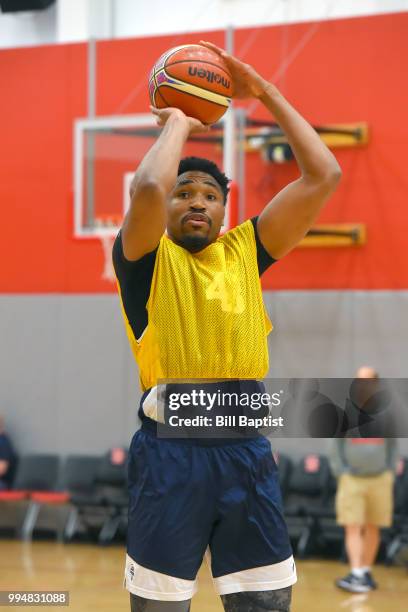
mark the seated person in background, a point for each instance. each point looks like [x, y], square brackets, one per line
[7, 458]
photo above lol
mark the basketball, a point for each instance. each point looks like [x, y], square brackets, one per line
[193, 79]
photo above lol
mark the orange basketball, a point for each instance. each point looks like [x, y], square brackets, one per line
[193, 79]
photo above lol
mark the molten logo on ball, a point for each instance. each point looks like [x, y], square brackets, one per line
[212, 77]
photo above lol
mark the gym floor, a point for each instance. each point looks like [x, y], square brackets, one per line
[94, 577]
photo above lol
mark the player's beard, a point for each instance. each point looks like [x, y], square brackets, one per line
[193, 242]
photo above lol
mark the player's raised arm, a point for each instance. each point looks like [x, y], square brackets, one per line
[292, 212]
[145, 221]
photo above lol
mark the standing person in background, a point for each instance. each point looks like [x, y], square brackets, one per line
[364, 502]
[7, 458]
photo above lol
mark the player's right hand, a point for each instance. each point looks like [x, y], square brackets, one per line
[246, 82]
[164, 114]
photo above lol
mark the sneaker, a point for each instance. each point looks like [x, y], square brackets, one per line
[368, 578]
[354, 584]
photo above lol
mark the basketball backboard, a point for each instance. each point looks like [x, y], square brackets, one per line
[107, 152]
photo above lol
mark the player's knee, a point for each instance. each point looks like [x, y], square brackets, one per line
[140, 604]
[258, 601]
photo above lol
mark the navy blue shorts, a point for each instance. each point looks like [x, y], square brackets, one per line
[186, 498]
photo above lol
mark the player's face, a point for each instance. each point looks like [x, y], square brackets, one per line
[195, 211]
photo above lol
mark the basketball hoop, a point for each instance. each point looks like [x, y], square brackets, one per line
[108, 273]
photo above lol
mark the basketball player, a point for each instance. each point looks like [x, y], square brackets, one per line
[193, 309]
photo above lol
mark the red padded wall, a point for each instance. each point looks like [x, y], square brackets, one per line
[347, 70]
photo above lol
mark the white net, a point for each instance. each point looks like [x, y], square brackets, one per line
[108, 273]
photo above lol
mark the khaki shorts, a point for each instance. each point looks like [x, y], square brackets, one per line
[365, 499]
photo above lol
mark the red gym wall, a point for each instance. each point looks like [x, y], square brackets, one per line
[349, 70]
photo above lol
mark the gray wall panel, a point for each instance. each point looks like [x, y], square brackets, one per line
[67, 378]
[94, 367]
[332, 333]
[380, 331]
[69, 383]
[311, 333]
[29, 354]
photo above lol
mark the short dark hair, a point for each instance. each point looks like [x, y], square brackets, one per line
[200, 164]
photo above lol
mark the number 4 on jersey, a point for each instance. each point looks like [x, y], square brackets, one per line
[231, 300]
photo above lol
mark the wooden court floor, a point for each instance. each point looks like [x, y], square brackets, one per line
[94, 577]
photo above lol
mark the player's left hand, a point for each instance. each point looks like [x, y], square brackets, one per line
[247, 83]
[163, 115]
